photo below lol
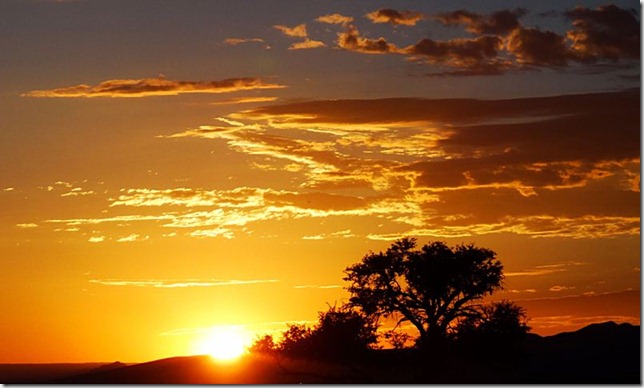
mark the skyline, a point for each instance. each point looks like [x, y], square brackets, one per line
[171, 167]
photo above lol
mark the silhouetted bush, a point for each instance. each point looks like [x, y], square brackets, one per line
[498, 330]
[340, 333]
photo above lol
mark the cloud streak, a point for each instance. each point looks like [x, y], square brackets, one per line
[166, 283]
[147, 87]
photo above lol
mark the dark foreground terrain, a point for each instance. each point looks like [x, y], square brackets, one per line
[600, 353]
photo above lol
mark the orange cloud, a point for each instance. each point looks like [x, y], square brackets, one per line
[352, 40]
[397, 18]
[154, 87]
[299, 31]
[335, 18]
[245, 100]
[236, 41]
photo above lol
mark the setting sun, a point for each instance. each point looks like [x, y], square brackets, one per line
[224, 343]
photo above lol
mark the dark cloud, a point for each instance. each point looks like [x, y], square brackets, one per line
[352, 41]
[562, 151]
[388, 15]
[496, 23]
[536, 47]
[448, 111]
[459, 53]
[524, 144]
[503, 44]
[607, 32]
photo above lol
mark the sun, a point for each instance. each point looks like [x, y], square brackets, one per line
[224, 343]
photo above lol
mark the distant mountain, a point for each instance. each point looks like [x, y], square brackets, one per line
[39, 373]
[600, 353]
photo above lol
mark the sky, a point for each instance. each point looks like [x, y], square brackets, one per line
[170, 167]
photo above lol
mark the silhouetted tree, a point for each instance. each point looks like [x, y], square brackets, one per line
[497, 331]
[265, 344]
[431, 287]
[343, 332]
[296, 341]
[499, 319]
[398, 340]
[340, 333]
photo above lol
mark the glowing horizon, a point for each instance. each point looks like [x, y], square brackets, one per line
[172, 169]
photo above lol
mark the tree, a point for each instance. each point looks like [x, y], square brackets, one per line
[343, 332]
[502, 319]
[265, 344]
[431, 287]
[497, 331]
[340, 333]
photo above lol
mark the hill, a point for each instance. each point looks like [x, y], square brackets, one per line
[599, 353]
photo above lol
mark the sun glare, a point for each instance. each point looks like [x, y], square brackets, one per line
[224, 343]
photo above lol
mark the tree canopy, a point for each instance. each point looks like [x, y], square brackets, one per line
[432, 287]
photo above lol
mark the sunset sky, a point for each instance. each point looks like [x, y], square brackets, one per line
[173, 166]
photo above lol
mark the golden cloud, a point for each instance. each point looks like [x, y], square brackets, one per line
[397, 18]
[153, 87]
[335, 18]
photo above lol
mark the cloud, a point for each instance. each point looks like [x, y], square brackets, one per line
[501, 43]
[480, 52]
[132, 238]
[153, 87]
[317, 287]
[560, 288]
[299, 31]
[496, 23]
[396, 18]
[237, 41]
[607, 32]
[96, 239]
[167, 283]
[534, 47]
[245, 100]
[352, 40]
[29, 225]
[335, 18]
[547, 167]
[542, 270]
[307, 44]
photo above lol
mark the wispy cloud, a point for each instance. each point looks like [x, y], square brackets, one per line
[133, 237]
[245, 100]
[544, 269]
[170, 283]
[560, 288]
[29, 225]
[237, 41]
[154, 87]
[315, 286]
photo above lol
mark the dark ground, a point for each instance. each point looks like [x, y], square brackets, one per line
[605, 353]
